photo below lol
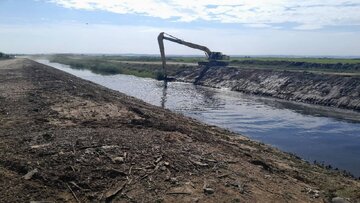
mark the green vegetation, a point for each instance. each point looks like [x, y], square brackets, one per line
[329, 66]
[235, 60]
[304, 60]
[315, 65]
[4, 56]
[108, 66]
[290, 64]
[131, 65]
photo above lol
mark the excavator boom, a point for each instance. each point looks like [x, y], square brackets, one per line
[189, 44]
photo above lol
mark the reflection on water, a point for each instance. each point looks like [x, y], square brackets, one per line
[164, 92]
[315, 133]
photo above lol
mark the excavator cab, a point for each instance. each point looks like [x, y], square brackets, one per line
[218, 56]
[216, 59]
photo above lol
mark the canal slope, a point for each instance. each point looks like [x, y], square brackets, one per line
[342, 91]
[65, 139]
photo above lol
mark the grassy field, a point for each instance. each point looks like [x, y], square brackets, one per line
[241, 59]
[306, 60]
[316, 65]
[190, 59]
[107, 64]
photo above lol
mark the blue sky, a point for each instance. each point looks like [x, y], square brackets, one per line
[236, 27]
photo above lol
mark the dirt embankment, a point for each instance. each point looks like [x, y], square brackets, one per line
[63, 139]
[337, 67]
[322, 89]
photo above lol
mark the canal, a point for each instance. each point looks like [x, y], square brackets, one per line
[315, 133]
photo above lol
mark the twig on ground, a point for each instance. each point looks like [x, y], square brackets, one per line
[73, 193]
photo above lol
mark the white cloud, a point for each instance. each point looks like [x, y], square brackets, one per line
[309, 14]
[308, 27]
[258, 25]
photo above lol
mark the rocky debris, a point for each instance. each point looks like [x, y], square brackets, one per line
[238, 185]
[186, 189]
[118, 160]
[312, 192]
[208, 191]
[339, 200]
[40, 146]
[30, 174]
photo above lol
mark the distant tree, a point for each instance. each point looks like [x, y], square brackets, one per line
[4, 56]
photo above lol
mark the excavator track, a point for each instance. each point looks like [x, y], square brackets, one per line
[213, 63]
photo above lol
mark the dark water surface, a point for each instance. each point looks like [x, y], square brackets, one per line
[312, 132]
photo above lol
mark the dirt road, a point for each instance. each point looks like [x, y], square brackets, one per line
[63, 139]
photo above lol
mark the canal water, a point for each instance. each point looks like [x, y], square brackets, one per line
[327, 135]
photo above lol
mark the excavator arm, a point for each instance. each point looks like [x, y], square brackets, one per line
[171, 38]
[212, 57]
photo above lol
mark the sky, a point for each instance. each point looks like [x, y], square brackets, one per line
[234, 27]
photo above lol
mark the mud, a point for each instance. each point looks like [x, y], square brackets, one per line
[63, 139]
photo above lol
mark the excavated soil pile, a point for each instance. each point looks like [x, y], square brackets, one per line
[64, 139]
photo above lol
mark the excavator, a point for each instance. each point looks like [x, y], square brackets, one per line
[213, 58]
